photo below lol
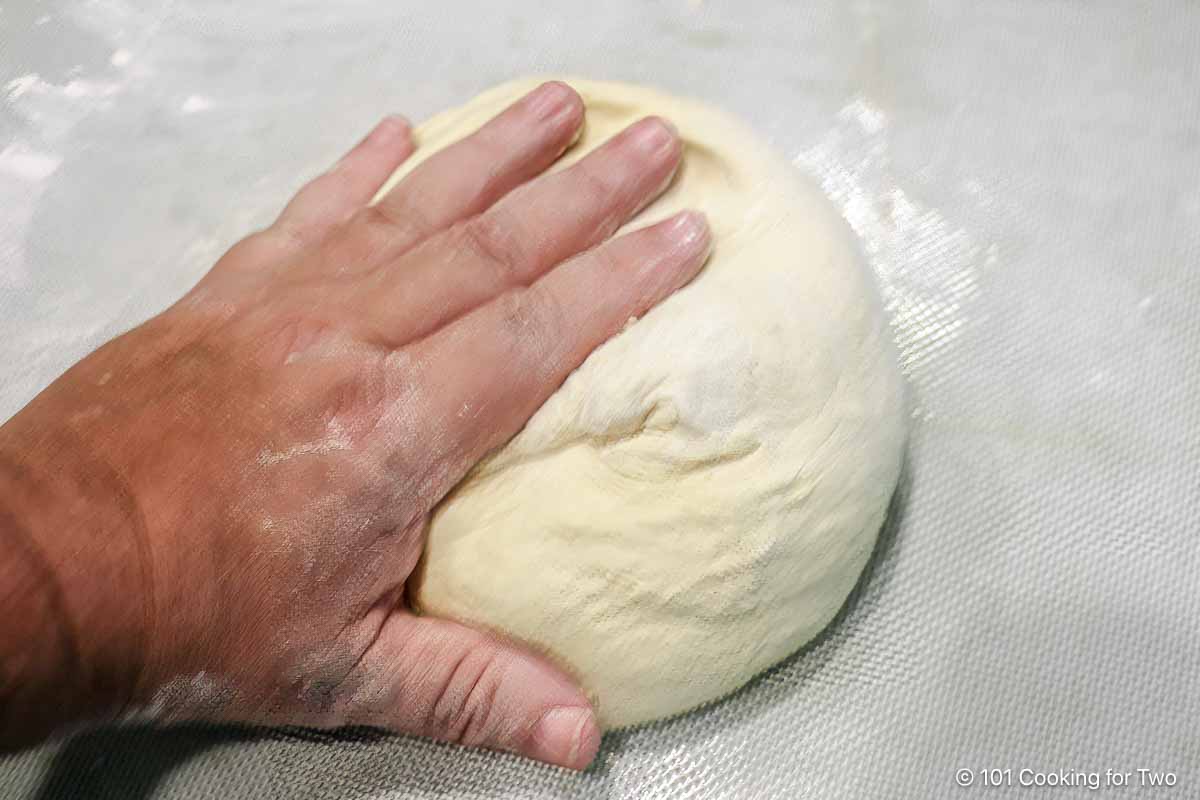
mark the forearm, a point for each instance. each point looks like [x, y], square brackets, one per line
[72, 582]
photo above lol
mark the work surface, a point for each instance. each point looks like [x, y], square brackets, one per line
[1025, 178]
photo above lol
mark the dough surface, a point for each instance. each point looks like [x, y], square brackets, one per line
[698, 499]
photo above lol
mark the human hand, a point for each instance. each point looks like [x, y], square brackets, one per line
[271, 446]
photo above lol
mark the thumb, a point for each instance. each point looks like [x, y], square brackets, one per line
[437, 678]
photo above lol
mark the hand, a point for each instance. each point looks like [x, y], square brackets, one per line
[251, 473]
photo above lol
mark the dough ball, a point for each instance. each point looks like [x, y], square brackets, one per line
[698, 499]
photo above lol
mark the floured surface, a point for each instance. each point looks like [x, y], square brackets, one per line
[700, 496]
[1026, 181]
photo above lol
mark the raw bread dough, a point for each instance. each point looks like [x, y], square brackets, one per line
[698, 499]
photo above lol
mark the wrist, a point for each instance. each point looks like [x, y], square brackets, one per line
[76, 574]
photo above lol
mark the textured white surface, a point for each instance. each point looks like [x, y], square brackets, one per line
[1026, 180]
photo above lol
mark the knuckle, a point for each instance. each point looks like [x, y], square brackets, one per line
[594, 184]
[464, 707]
[336, 182]
[382, 215]
[606, 260]
[357, 402]
[392, 222]
[259, 249]
[318, 203]
[494, 239]
[293, 236]
[331, 179]
[531, 317]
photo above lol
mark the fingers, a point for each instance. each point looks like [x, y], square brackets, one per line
[467, 177]
[437, 678]
[524, 234]
[350, 184]
[504, 359]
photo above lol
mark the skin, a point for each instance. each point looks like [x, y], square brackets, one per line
[216, 515]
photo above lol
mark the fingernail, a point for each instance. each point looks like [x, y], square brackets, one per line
[549, 99]
[567, 736]
[655, 136]
[690, 230]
